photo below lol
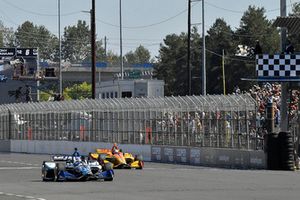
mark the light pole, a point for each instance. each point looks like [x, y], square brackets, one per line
[203, 54]
[93, 49]
[203, 71]
[189, 71]
[284, 85]
[59, 41]
[121, 45]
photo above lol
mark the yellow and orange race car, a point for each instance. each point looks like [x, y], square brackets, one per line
[119, 160]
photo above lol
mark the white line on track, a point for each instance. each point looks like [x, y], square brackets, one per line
[20, 196]
[20, 168]
[20, 163]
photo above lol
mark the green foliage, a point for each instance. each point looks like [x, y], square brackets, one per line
[172, 61]
[140, 55]
[76, 42]
[296, 9]
[45, 96]
[254, 26]
[219, 38]
[295, 38]
[30, 35]
[112, 58]
[78, 91]
[171, 66]
[7, 36]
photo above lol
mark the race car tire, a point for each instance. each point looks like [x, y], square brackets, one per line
[44, 173]
[56, 172]
[108, 166]
[109, 179]
[141, 163]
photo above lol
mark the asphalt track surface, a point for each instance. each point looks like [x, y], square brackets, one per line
[20, 178]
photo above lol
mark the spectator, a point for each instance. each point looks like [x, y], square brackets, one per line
[257, 49]
[28, 97]
[289, 48]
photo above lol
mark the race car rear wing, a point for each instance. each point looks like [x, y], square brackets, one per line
[100, 151]
[64, 158]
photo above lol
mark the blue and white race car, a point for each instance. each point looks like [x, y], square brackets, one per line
[64, 168]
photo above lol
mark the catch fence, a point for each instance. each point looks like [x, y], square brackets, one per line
[202, 121]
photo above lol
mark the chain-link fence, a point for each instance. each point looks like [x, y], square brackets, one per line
[205, 121]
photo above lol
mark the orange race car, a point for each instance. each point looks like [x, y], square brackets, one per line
[118, 159]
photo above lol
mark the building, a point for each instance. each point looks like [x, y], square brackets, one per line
[130, 88]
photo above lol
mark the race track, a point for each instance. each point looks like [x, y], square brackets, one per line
[20, 179]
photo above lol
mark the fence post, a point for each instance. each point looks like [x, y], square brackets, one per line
[270, 117]
[9, 125]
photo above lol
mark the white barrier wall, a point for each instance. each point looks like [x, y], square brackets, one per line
[228, 158]
[67, 147]
[4, 145]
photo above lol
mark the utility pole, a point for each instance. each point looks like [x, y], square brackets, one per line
[93, 49]
[59, 64]
[223, 70]
[189, 49]
[105, 46]
[203, 53]
[284, 85]
[121, 45]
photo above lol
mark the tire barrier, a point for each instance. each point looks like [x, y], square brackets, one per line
[280, 151]
[273, 162]
[287, 160]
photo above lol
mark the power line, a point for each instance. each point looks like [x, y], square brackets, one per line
[238, 11]
[148, 25]
[229, 58]
[135, 39]
[39, 14]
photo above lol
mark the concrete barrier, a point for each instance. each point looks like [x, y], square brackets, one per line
[213, 157]
[156, 154]
[4, 145]
[257, 160]
[67, 147]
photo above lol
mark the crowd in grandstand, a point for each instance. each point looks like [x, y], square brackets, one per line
[268, 92]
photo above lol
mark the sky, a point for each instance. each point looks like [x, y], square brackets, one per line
[144, 22]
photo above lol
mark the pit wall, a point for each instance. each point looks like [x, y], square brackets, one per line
[212, 157]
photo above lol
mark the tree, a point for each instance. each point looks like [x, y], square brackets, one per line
[100, 51]
[29, 35]
[46, 95]
[140, 55]
[76, 42]
[219, 38]
[171, 66]
[112, 58]
[295, 38]
[172, 63]
[7, 36]
[296, 9]
[254, 26]
[78, 91]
